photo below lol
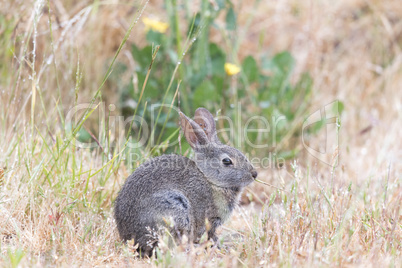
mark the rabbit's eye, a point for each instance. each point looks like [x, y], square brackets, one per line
[227, 161]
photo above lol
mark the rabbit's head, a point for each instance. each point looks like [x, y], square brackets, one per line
[222, 165]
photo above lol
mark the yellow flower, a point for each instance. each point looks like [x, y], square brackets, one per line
[155, 25]
[231, 69]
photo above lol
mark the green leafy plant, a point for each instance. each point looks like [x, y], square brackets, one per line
[263, 87]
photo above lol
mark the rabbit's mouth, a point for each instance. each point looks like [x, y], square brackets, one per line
[250, 178]
[254, 174]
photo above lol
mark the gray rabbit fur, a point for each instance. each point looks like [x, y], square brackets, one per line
[185, 192]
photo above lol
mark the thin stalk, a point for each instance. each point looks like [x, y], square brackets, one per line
[276, 187]
[170, 109]
[54, 60]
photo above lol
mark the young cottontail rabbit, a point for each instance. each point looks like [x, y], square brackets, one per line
[173, 188]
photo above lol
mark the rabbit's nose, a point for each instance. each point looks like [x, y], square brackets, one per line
[254, 174]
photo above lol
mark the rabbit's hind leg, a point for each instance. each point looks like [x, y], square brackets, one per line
[175, 211]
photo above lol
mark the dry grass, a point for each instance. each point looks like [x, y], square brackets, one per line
[349, 215]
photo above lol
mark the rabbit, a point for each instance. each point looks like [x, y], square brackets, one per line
[183, 191]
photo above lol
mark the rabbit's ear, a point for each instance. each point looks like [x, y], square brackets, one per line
[195, 136]
[206, 121]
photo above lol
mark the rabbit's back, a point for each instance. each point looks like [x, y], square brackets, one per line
[163, 172]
